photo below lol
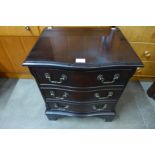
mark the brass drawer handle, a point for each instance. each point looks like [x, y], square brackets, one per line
[65, 95]
[63, 107]
[27, 28]
[101, 78]
[139, 70]
[99, 107]
[62, 78]
[147, 53]
[110, 94]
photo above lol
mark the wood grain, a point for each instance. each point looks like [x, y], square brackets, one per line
[5, 63]
[15, 52]
[147, 71]
[109, 63]
[15, 75]
[139, 33]
[99, 46]
[28, 43]
[41, 28]
[146, 51]
[18, 31]
[137, 78]
[142, 38]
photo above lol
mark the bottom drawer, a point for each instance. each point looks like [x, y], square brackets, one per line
[84, 108]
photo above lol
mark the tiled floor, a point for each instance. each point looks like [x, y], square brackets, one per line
[21, 106]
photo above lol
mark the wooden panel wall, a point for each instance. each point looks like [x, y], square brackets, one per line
[19, 31]
[142, 39]
[15, 44]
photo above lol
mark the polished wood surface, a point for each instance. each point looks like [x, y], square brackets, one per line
[80, 79]
[91, 88]
[98, 46]
[19, 31]
[82, 96]
[41, 28]
[76, 108]
[141, 39]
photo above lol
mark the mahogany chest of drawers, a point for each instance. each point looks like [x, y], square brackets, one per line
[82, 71]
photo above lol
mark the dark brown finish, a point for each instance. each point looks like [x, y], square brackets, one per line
[101, 47]
[76, 108]
[91, 88]
[54, 115]
[151, 91]
[82, 96]
[80, 78]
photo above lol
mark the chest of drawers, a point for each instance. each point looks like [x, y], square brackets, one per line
[82, 71]
[142, 40]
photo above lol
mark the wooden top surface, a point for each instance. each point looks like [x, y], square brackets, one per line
[96, 47]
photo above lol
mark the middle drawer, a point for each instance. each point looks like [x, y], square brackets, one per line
[81, 95]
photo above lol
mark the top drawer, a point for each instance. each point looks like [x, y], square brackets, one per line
[19, 31]
[139, 33]
[82, 78]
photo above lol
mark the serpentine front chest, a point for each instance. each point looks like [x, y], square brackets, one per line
[82, 71]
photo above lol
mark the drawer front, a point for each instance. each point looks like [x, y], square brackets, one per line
[19, 31]
[139, 33]
[76, 108]
[145, 51]
[82, 78]
[81, 96]
[147, 71]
